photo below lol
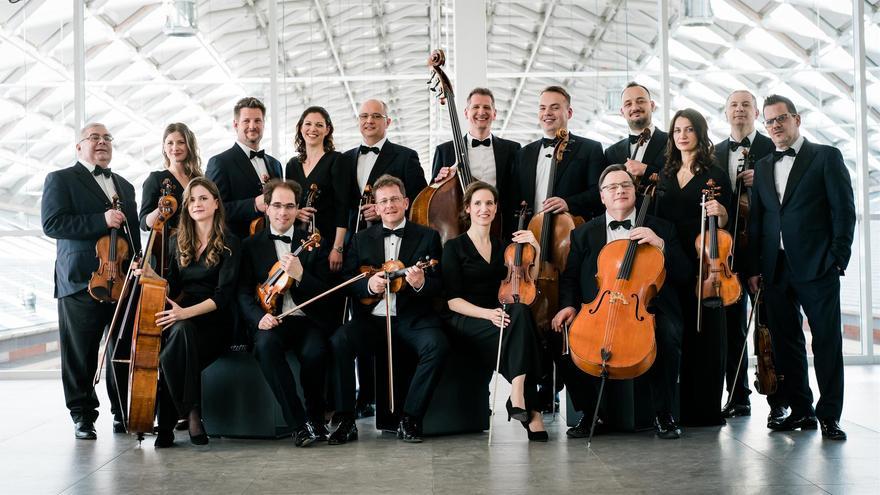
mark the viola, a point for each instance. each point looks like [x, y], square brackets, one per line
[741, 218]
[112, 251]
[395, 273]
[717, 284]
[311, 198]
[279, 281]
[766, 379]
[518, 285]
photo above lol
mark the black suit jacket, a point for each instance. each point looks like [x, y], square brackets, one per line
[72, 212]
[394, 159]
[239, 184]
[816, 217]
[414, 309]
[257, 257]
[504, 151]
[762, 147]
[655, 152]
[577, 177]
[577, 284]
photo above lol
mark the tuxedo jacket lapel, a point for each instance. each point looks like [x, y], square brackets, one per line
[801, 163]
[243, 162]
[407, 244]
[569, 154]
[386, 156]
[91, 184]
[655, 147]
[530, 165]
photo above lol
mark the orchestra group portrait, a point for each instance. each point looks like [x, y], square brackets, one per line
[555, 264]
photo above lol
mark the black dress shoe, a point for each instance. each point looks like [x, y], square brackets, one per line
[734, 410]
[182, 425]
[118, 426]
[665, 427]
[365, 411]
[85, 430]
[409, 430]
[320, 431]
[831, 429]
[582, 429]
[347, 431]
[777, 413]
[793, 422]
[164, 439]
[516, 413]
[305, 435]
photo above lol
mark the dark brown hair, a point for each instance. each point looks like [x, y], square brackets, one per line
[469, 194]
[633, 84]
[273, 184]
[560, 90]
[300, 143]
[248, 102]
[705, 156]
[617, 167]
[187, 239]
[386, 180]
[774, 99]
[192, 166]
[481, 91]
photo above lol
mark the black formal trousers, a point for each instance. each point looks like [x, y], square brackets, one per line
[362, 336]
[188, 347]
[519, 346]
[81, 323]
[310, 345]
[820, 300]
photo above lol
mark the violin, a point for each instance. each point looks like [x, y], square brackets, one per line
[438, 206]
[395, 273]
[105, 284]
[279, 281]
[259, 223]
[717, 284]
[766, 379]
[741, 218]
[367, 198]
[518, 285]
[644, 137]
[167, 206]
[311, 198]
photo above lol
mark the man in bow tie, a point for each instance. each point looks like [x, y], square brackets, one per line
[490, 156]
[577, 285]
[414, 324]
[644, 150]
[304, 331]
[241, 171]
[75, 210]
[801, 224]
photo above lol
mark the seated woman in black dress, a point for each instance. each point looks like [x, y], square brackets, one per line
[182, 163]
[473, 268]
[196, 328]
[690, 163]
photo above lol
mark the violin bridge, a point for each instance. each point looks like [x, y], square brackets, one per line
[618, 297]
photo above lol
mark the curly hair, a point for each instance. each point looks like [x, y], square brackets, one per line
[705, 153]
[192, 166]
[187, 238]
[300, 143]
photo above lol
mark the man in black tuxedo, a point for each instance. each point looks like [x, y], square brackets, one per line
[76, 211]
[576, 185]
[641, 159]
[490, 156]
[801, 225]
[738, 154]
[304, 331]
[241, 171]
[577, 285]
[413, 320]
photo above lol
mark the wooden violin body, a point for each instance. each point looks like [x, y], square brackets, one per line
[367, 198]
[395, 273]
[112, 251]
[718, 285]
[766, 379]
[257, 225]
[518, 285]
[278, 282]
[312, 197]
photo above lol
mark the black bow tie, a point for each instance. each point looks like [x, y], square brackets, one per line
[368, 149]
[548, 142]
[258, 154]
[614, 224]
[477, 142]
[283, 238]
[102, 171]
[734, 145]
[634, 138]
[398, 232]
[777, 155]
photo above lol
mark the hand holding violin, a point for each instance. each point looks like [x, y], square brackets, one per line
[377, 283]
[527, 237]
[305, 213]
[747, 177]
[716, 209]
[635, 167]
[114, 218]
[292, 265]
[369, 212]
[415, 277]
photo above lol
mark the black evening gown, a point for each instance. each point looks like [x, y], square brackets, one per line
[152, 191]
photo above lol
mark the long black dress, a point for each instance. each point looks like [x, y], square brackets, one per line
[189, 346]
[467, 275]
[703, 354]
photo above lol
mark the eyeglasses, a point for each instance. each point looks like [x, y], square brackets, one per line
[781, 119]
[620, 185]
[374, 116]
[98, 137]
[286, 206]
[389, 201]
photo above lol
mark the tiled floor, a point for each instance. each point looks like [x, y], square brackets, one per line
[38, 454]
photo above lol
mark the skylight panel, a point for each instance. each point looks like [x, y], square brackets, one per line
[787, 19]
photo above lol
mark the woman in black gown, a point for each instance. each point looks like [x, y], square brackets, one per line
[182, 163]
[473, 268]
[690, 164]
[196, 329]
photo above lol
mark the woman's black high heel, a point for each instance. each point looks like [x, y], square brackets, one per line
[201, 438]
[516, 413]
[535, 436]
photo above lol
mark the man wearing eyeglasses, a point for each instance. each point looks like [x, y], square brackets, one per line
[801, 225]
[305, 331]
[577, 285]
[241, 171]
[642, 156]
[414, 323]
[76, 211]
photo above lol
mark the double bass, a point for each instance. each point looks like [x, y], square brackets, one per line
[105, 284]
[439, 205]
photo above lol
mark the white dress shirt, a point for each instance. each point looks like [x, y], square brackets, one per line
[365, 163]
[258, 163]
[734, 158]
[482, 159]
[392, 249]
[620, 232]
[282, 248]
[640, 155]
[542, 176]
[781, 172]
[105, 183]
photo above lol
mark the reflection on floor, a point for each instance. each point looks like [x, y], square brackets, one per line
[38, 454]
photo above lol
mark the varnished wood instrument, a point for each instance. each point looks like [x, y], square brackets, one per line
[279, 281]
[105, 284]
[644, 137]
[518, 285]
[311, 198]
[741, 218]
[259, 223]
[395, 273]
[766, 378]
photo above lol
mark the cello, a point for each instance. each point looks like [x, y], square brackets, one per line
[439, 205]
[278, 281]
[106, 283]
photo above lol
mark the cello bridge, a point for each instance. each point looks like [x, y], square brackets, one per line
[617, 297]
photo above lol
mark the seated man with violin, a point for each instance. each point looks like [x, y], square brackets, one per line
[291, 280]
[77, 211]
[578, 285]
[391, 245]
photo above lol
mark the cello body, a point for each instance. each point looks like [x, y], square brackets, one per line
[146, 341]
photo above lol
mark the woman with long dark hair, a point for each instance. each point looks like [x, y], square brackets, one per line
[182, 163]
[690, 164]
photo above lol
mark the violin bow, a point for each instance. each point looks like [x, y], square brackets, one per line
[388, 337]
[319, 296]
[700, 272]
[497, 367]
[742, 352]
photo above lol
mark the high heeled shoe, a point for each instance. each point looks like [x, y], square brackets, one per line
[201, 438]
[516, 413]
[535, 436]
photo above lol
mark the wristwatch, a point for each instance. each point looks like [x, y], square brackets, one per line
[338, 249]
